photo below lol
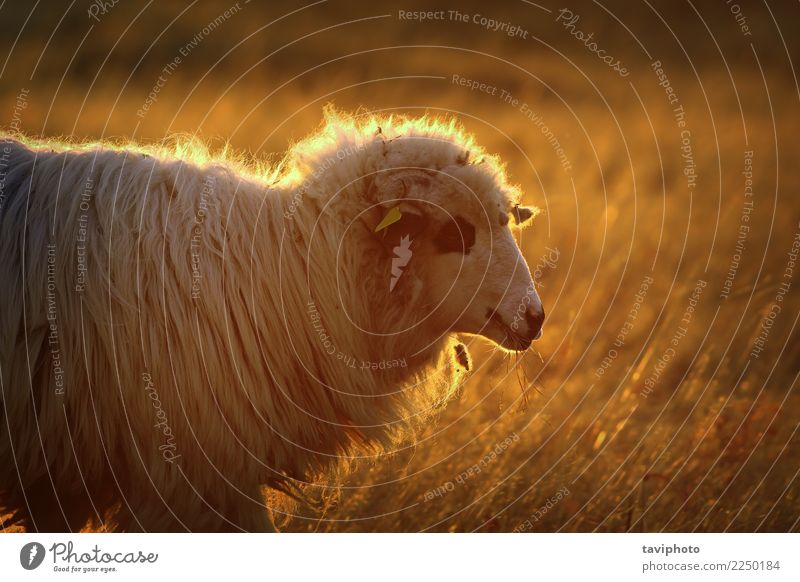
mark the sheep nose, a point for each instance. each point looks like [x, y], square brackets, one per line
[535, 319]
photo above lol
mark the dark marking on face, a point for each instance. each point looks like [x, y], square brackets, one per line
[503, 219]
[456, 236]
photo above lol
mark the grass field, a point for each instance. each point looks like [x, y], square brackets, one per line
[675, 426]
[644, 407]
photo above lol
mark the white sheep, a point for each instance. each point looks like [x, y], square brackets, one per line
[181, 330]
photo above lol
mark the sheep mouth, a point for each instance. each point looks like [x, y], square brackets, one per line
[512, 340]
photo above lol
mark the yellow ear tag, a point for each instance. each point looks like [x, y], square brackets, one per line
[391, 217]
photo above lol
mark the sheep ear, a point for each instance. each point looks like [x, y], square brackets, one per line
[398, 222]
[523, 214]
[462, 356]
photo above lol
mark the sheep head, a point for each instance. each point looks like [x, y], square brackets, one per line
[447, 233]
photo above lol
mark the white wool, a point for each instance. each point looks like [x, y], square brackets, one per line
[185, 367]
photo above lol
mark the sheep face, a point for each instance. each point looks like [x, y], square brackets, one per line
[450, 229]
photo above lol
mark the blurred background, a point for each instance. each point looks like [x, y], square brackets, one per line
[663, 395]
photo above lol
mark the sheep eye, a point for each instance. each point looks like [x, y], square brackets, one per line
[457, 236]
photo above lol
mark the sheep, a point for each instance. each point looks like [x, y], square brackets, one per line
[183, 331]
